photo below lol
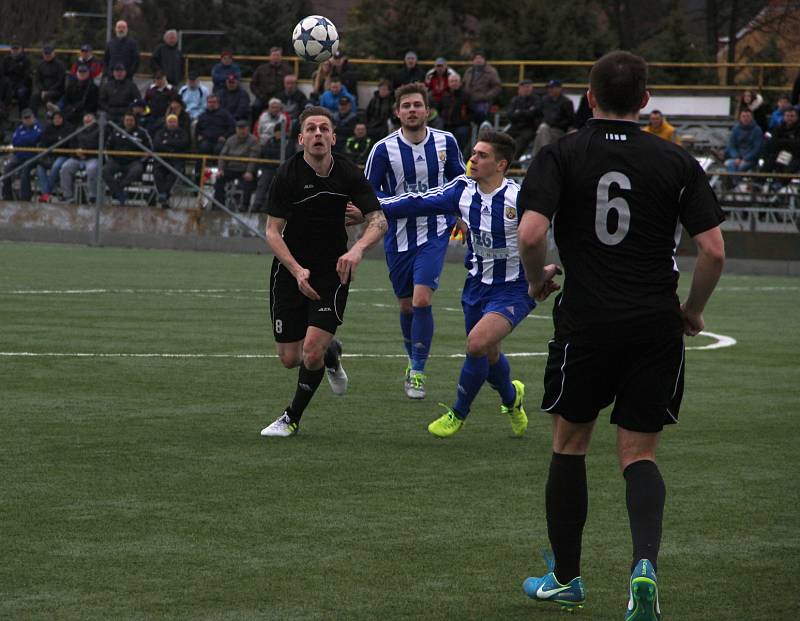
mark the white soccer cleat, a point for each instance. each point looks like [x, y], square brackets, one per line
[337, 377]
[415, 385]
[283, 427]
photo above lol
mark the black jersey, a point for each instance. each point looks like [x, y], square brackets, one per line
[314, 206]
[617, 197]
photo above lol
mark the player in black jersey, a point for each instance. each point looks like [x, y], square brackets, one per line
[618, 198]
[312, 267]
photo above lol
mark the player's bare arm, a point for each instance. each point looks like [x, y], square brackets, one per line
[281, 251]
[353, 215]
[707, 270]
[373, 233]
[532, 236]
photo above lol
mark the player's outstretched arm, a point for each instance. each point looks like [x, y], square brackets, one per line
[438, 201]
[373, 233]
[281, 251]
[707, 270]
[532, 237]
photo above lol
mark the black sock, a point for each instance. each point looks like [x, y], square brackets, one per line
[567, 501]
[307, 384]
[644, 494]
[332, 355]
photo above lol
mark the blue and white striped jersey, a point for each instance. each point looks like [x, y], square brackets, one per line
[396, 166]
[493, 219]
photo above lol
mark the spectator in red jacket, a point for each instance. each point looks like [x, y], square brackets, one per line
[436, 80]
[87, 57]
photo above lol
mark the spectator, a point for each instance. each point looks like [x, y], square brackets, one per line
[194, 96]
[168, 59]
[271, 119]
[213, 128]
[482, 84]
[380, 110]
[81, 96]
[293, 99]
[359, 145]
[241, 144]
[320, 80]
[16, 67]
[342, 69]
[330, 98]
[744, 144]
[270, 150]
[344, 121]
[436, 80]
[5, 105]
[755, 103]
[118, 93]
[558, 116]
[171, 138]
[48, 168]
[234, 98]
[85, 141]
[121, 50]
[145, 119]
[267, 80]
[410, 72]
[583, 114]
[225, 67]
[87, 57]
[782, 150]
[159, 94]
[455, 111]
[50, 81]
[27, 134]
[129, 168]
[177, 108]
[776, 118]
[525, 113]
[659, 126]
[435, 120]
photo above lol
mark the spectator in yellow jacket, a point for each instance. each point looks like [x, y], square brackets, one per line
[660, 127]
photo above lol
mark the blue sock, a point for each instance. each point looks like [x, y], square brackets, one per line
[500, 379]
[405, 327]
[473, 375]
[421, 336]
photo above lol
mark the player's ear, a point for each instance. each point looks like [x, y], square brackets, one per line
[645, 100]
[591, 98]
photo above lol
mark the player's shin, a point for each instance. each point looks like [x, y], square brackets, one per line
[566, 501]
[499, 378]
[473, 375]
[307, 383]
[421, 336]
[645, 494]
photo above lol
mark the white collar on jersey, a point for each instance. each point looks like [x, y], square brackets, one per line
[411, 144]
[493, 192]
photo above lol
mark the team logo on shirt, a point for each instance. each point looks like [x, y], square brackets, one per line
[442, 155]
[511, 212]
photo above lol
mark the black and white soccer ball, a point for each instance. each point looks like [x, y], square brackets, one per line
[315, 38]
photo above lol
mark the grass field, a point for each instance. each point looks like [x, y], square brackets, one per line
[136, 486]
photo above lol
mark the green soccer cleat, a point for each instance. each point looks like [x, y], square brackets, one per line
[446, 425]
[516, 413]
[643, 594]
[415, 385]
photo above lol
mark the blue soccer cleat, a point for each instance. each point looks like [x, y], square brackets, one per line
[643, 594]
[548, 589]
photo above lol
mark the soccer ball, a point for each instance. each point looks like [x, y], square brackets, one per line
[315, 38]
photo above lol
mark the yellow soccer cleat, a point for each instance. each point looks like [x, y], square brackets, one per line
[516, 413]
[446, 425]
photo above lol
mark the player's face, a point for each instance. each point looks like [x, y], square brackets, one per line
[412, 111]
[482, 162]
[317, 136]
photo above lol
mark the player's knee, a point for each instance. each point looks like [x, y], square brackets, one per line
[405, 305]
[422, 296]
[477, 346]
[313, 357]
[289, 359]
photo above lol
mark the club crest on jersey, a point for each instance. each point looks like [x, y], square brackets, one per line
[442, 155]
[511, 212]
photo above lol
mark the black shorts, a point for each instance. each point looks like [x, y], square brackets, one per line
[291, 313]
[643, 380]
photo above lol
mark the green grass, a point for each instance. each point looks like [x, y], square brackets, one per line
[139, 487]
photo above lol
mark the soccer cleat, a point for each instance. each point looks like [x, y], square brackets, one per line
[516, 413]
[336, 375]
[283, 427]
[407, 381]
[415, 385]
[548, 589]
[446, 425]
[643, 594]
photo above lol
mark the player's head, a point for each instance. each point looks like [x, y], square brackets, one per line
[491, 155]
[411, 105]
[618, 84]
[316, 131]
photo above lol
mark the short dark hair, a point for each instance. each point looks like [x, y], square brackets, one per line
[618, 81]
[657, 112]
[413, 88]
[315, 111]
[503, 144]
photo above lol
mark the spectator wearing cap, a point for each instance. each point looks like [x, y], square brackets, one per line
[344, 120]
[85, 141]
[525, 114]
[213, 127]
[234, 98]
[16, 67]
[342, 69]
[271, 119]
[242, 144]
[336, 90]
[194, 96]
[117, 93]
[121, 171]
[436, 80]
[482, 84]
[48, 168]
[359, 145]
[455, 111]
[121, 49]
[159, 94]
[294, 100]
[171, 138]
[177, 108]
[81, 96]
[27, 134]
[168, 59]
[86, 57]
[225, 67]
[380, 110]
[145, 119]
[49, 80]
[558, 115]
[267, 80]
[410, 72]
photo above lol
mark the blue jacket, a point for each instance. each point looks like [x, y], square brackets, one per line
[26, 137]
[213, 124]
[745, 142]
[331, 101]
[220, 73]
[236, 102]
